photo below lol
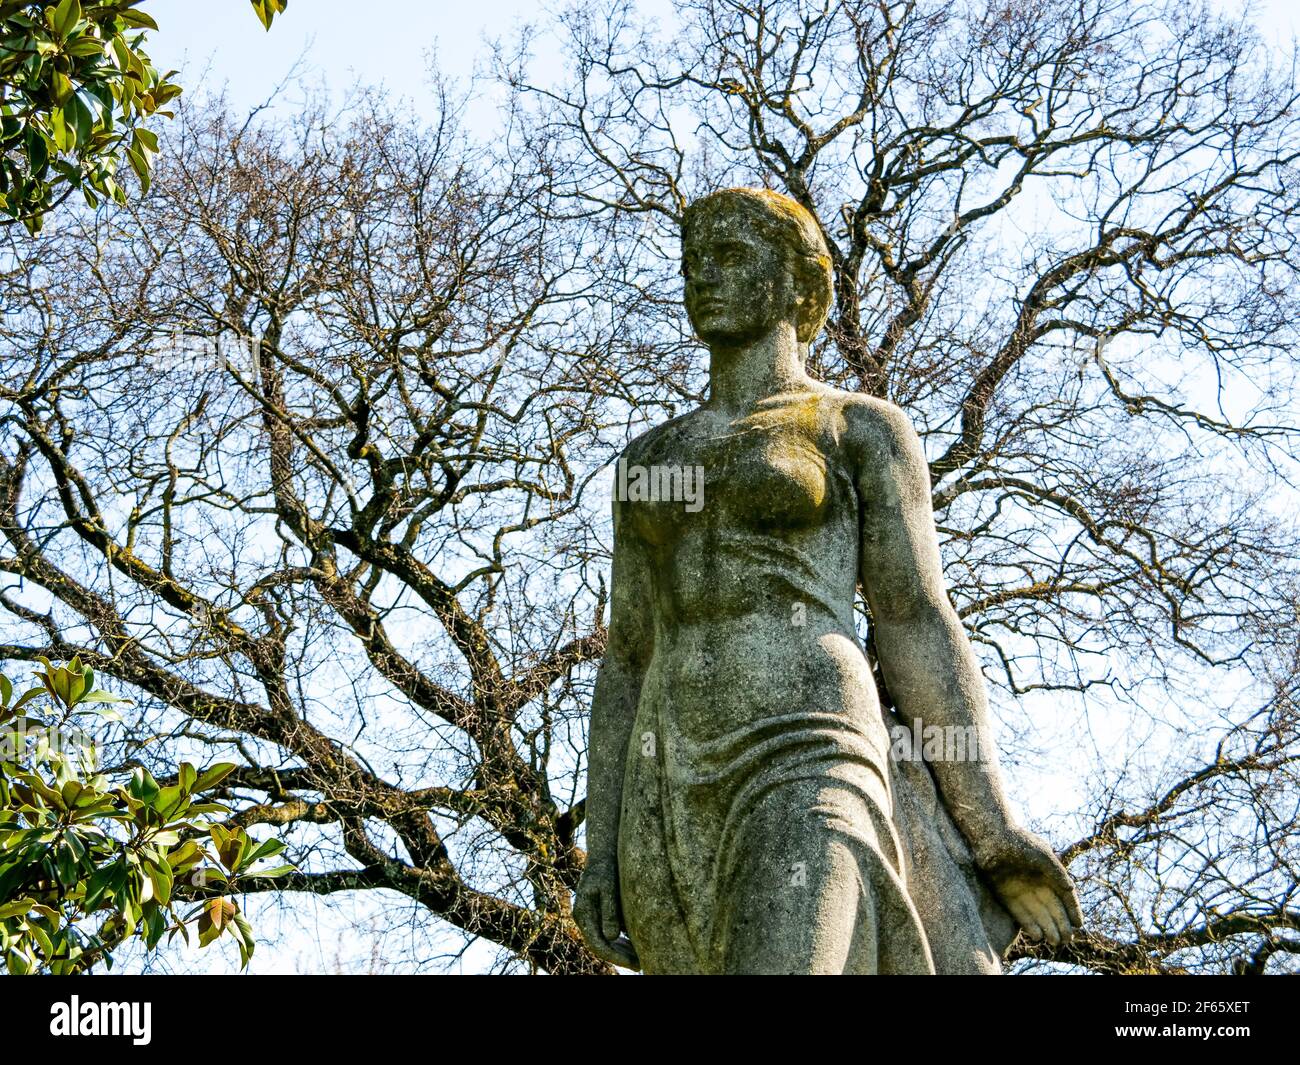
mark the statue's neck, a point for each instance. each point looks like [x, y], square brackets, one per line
[741, 375]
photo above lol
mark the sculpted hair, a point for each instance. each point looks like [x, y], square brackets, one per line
[790, 227]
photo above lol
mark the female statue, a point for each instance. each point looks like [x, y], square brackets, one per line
[748, 810]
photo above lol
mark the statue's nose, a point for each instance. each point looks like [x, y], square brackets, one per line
[705, 275]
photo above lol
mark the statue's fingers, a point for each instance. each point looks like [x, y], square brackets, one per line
[1031, 927]
[609, 923]
[1055, 923]
[1063, 886]
[1040, 916]
[1072, 907]
[1061, 915]
[1025, 917]
[1059, 875]
[1065, 906]
[583, 918]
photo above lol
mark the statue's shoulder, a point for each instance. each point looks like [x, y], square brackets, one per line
[640, 446]
[880, 448]
[873, 428]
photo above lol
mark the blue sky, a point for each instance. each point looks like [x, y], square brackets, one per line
[392, 45]
[391, 48]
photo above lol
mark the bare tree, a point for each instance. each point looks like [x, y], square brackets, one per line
[1064, 241]
[366, 554]
[287, 451]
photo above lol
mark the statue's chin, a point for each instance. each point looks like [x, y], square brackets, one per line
[728, 336]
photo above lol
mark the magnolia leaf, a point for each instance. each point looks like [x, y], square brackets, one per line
[17, 908]
[66, 16]
[133, 17]
[279, 870]
[265, 849]
[214, 775]
[27, 697]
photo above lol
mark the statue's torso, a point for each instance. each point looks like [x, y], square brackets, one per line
[758, 729]
[753, 592]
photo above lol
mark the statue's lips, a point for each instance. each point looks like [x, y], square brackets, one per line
[710, 307]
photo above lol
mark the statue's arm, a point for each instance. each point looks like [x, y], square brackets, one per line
[931, 670]
[924, 654]
[629, 645]
[628, 648]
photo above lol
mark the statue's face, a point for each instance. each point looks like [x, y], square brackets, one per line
[738, 285]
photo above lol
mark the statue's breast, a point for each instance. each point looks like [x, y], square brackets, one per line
[770, 479]
[761, 475]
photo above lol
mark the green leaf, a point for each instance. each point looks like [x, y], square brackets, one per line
[60, 86]
[17, 908]
[244, 937]
[141, 167]
[121, 51]
[136, 18]
[42, 940]
[77, 680]
[6, 690]
[187, 854]
[86, 46]
[160, 876]
[147, 137]
[71, 792]
[155, 924]
[166, 92]
[65, 137]
[107, 713]
[83, 120]
[102, 697]
[97, 884]
[268, 9]
[27, 697]
[214, 775]
[66, 16]
[265, 849]
[231, 846]
[38, 152]
[66, 862]
[279, 870]
[168, 800]
[143, 786]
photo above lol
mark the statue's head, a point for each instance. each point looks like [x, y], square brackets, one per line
[753, 258]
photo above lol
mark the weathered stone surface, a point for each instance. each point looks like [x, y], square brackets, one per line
[751, 808]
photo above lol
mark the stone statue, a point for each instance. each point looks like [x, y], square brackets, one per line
[752, 808]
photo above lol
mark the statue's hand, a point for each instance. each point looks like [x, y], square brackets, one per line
[599, 916]
[1032, 884]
